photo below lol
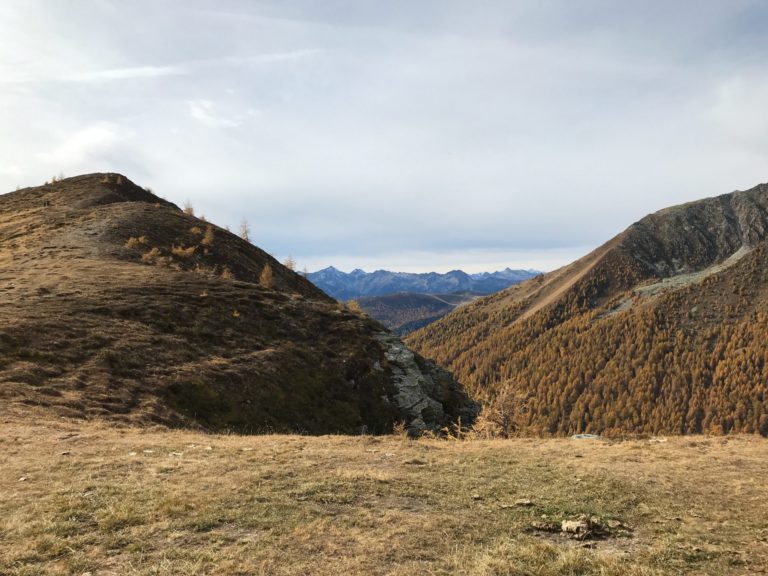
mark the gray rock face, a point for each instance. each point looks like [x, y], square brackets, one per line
[691, 237]
[427, 396]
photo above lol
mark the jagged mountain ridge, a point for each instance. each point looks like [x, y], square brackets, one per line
[357, 284]
[637, 336]
[116, 304]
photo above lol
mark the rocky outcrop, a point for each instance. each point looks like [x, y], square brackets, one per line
[427, 396]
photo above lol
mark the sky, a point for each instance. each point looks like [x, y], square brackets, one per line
[410, 135]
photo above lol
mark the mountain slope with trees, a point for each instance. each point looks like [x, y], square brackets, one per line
[661, 330]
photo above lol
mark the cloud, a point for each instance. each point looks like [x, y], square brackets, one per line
[399, 133]
[204, 111]
[11, 170]
[126, 74]
[739, 110]
[85, 144]
[275, 57]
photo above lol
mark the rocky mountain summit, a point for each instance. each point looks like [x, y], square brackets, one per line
[660, 330]
[116, 304]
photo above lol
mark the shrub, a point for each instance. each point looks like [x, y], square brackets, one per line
[188, 209]
[354, 306]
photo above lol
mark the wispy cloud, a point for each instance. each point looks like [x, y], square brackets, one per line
[273, 57]
[127, 73]
[96, 76]
[204, 111]
[83, 145]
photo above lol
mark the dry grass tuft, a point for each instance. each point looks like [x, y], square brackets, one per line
[134, 242]
[182, 252]
[208, 237]
[154, 256]
[266, 277]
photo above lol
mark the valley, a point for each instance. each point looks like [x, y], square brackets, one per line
[405, 312]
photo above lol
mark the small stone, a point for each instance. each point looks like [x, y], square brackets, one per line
[23, 479]
[523, 502]
[578, 526]
[476, 497]
[65, 453]
[131, 453]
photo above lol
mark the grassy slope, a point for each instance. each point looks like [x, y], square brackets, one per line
[116, 304]
[78, 498]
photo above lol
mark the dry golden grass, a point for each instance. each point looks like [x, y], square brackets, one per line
[88, 498]
[134, 242]
[182, 252]
[207, 237]
[151, 255]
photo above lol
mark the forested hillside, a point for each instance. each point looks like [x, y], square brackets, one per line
[661, 330]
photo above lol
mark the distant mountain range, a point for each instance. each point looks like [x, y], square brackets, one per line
[358, 283]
